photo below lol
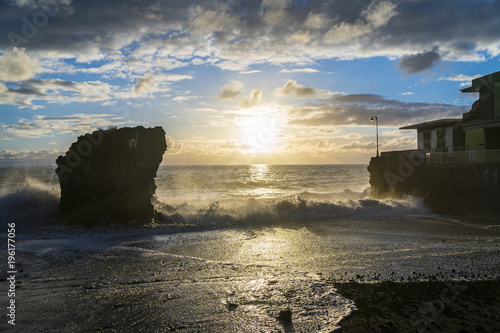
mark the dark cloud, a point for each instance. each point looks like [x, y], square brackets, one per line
[416, 63]
[151, 35]
[357, 109]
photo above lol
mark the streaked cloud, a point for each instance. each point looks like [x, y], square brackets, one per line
[42, 126]
[299, 70]
[356, 110]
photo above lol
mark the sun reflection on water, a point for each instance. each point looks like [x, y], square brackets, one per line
[259, 172]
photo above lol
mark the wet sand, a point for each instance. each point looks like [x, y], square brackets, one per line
[126, 289]
[384, 275]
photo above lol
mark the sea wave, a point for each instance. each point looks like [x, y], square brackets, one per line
[37, 204]
[32, 204]
[269, 211]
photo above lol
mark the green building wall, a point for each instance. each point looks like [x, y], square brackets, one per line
[496, 100]
[474, 139]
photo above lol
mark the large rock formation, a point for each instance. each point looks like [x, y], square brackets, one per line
[109, 176]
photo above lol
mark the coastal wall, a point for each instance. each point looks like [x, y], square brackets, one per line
[469, 190]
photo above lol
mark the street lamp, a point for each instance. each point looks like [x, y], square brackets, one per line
[376, 124]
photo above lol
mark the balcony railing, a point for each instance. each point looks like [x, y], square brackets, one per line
[464, 157]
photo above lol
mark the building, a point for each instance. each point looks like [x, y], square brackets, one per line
[482, 124]
[478, 129]
[443, 135]
[456, 168]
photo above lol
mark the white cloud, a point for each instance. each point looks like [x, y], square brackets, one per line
[15, 65]
[299, 70]
[460, 78]
[292, 88]
[172, 35]
[392, 133]
[250, 72]
[3, 88]
[356, 110]
[376, 15]
[352, 136]
[144, 84]
[180, 98]
[254, 100]
[231, 90]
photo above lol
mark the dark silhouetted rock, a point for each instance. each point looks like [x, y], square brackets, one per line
[109, 176]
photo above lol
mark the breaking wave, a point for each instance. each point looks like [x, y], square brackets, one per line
[32, 204]
[221, 196]
[269, 211]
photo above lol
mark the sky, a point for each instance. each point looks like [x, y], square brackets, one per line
[239, 81]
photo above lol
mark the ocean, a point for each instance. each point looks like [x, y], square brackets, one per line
[238, 244]
[193, 193]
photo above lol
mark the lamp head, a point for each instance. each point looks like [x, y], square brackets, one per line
[372, 119]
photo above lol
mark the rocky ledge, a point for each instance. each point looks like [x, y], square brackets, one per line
[109, 176]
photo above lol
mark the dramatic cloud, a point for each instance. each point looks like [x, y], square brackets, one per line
[55, 91]
[350, 110]
[15, 65]
[117, 55]
[60, 91]
[416, 63]
[172, 34]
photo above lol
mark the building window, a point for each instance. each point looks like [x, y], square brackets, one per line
[441, 139]
[427, 140]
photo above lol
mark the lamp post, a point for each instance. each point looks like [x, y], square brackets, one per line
[376, 125]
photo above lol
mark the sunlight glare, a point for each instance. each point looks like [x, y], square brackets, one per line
[259, 134]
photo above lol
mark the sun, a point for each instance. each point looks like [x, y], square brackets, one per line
[259, 133]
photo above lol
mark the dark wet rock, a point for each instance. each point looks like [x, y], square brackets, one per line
[109, 176]
[231, 306]
[285, 317]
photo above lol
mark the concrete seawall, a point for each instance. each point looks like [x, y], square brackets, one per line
[470, 190]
